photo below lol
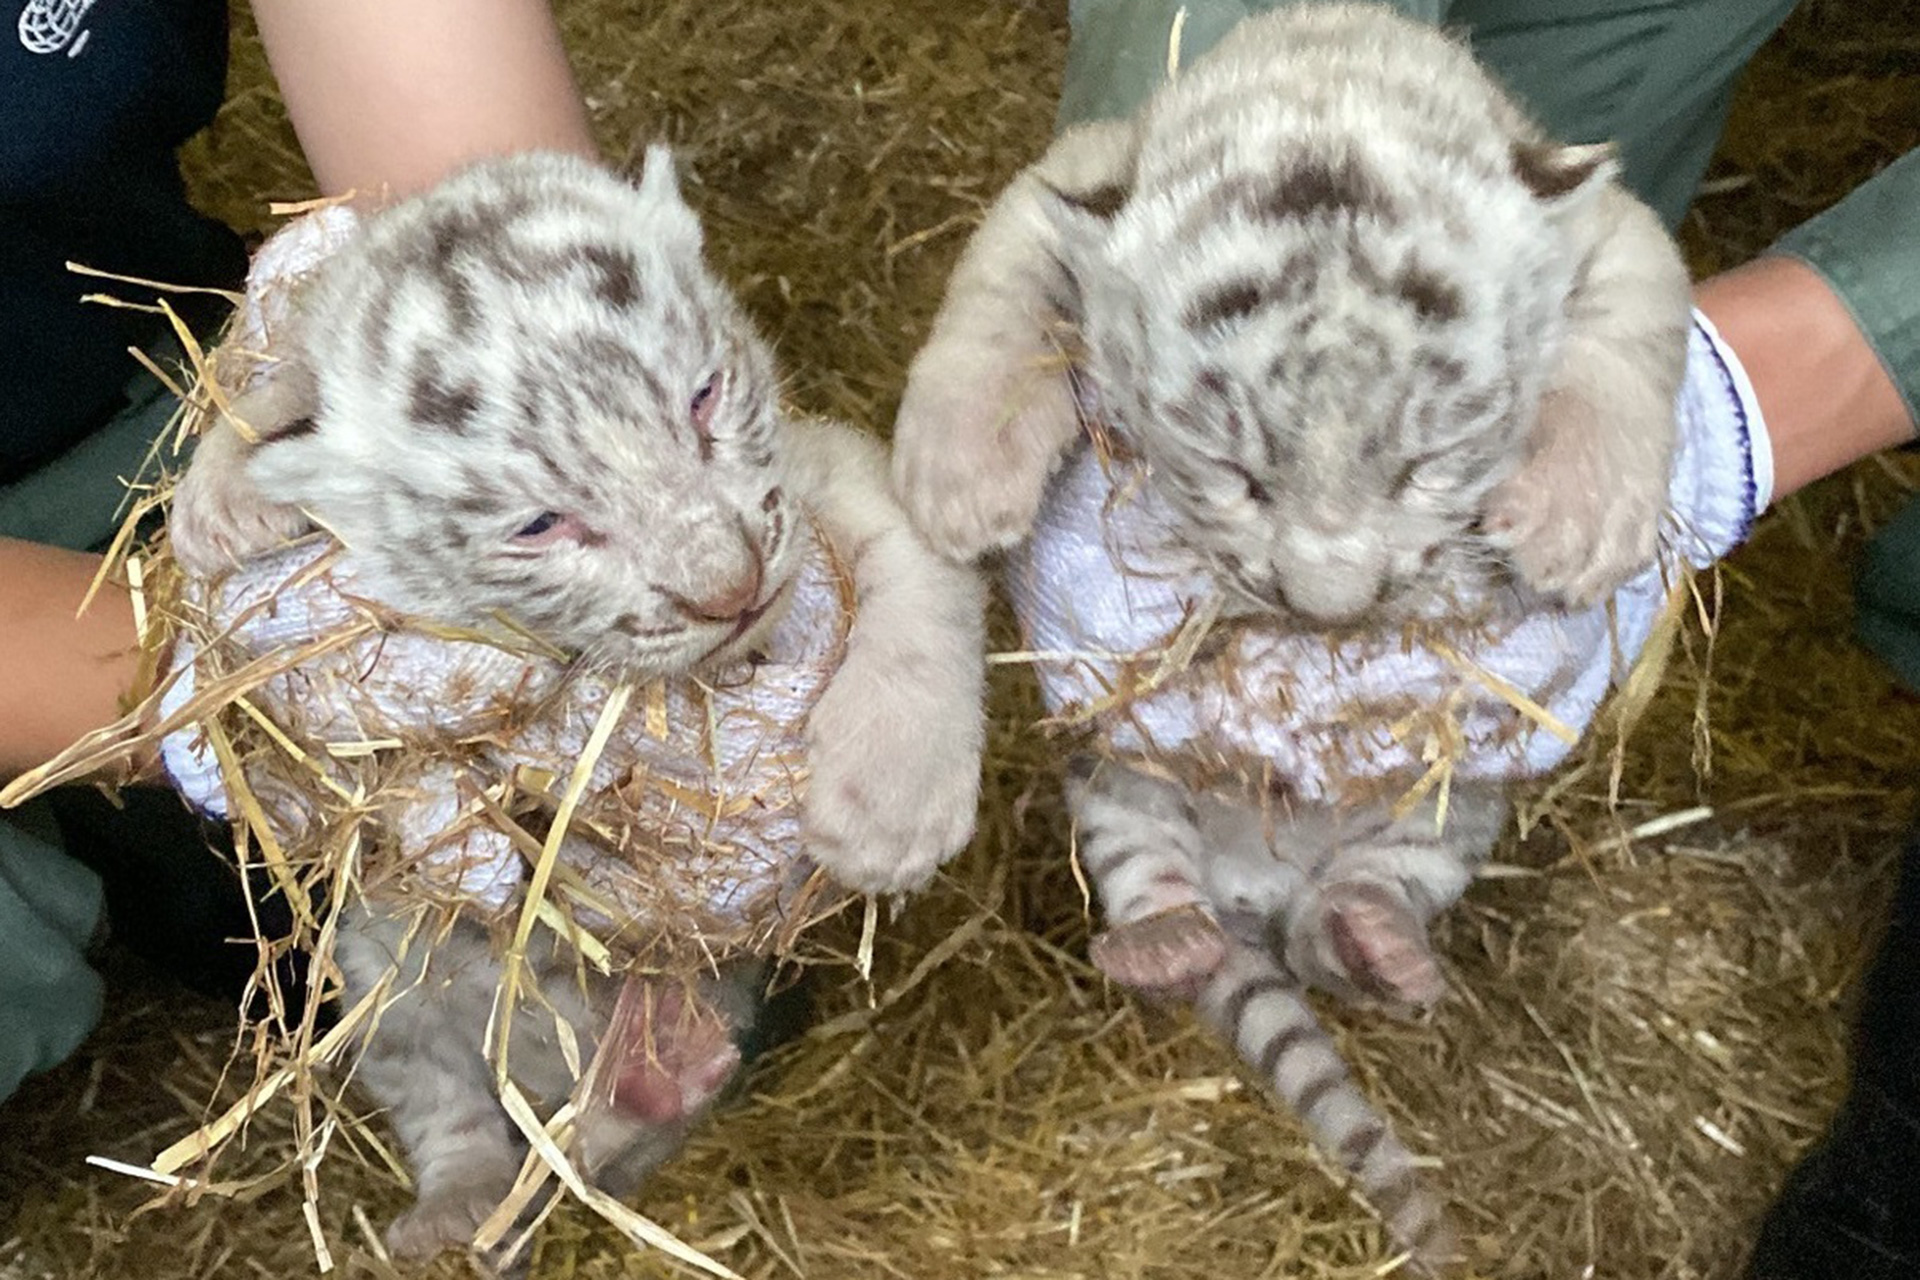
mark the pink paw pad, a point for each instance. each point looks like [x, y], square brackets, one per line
[1382, 944]
[1170, 950]
[665, 1059]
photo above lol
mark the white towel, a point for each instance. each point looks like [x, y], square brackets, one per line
[1355, 720]
[707, 773]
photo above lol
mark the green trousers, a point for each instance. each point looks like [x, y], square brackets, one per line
[1656, 77]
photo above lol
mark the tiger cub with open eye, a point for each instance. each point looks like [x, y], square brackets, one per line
[523, 394]
[1355, 343]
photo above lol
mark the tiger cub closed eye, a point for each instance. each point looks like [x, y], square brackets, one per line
[524, 395]
[1381, 347]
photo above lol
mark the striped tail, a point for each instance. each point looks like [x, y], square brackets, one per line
[1262, 1012]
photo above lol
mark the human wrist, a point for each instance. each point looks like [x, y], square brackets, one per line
[1827, 397]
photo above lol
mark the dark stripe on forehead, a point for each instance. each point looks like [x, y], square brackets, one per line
[487, 222]
[1445, 370]
[618, 274]
[376, 323]
[1432, 298]
[1315, 189]
[1321, 188]
[475, 502]
[1232, 300]
[605, 353]
[472, 231]
[1240, 296]
[437, 401]
[463, 311]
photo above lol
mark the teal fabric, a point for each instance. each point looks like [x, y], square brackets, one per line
[49, 908]
[1655, 77]
[50, 905]
[77, 500]
[1867, 248]
[1887, 596]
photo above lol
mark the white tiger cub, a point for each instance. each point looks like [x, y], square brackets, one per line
[525, 394]
[1374, 350]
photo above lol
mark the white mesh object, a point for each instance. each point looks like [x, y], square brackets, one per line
[47, 26]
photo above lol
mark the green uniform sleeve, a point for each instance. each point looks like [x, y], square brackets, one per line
[1868, 249]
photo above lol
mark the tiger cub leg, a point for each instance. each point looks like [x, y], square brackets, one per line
[1366, 931]
[1139, 843]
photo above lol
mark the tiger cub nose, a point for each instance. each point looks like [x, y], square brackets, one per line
[728, 603]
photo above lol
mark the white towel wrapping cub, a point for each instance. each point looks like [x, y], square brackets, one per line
[703, 774]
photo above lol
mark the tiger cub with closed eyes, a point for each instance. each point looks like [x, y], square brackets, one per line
[524, 395]
[1331, 339]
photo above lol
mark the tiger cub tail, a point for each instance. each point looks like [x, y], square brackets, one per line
[1262, 1011]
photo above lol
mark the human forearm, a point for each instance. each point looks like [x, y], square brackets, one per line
[69, 670]
[1827, 398]
[389, 98]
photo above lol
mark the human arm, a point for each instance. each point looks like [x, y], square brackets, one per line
[1827, 398]
[384, 97]
[71, 669]
[390, 98]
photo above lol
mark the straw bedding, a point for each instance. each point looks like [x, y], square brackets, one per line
[1648, 989]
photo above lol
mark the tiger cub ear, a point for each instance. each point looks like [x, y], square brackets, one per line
[219, 518]
[1083, 184]
[1098, 204]
[1564, 176]
[659, 189]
